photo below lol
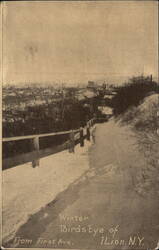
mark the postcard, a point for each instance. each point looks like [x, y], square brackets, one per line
[80, 116]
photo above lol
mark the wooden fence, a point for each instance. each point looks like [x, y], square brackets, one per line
[75, 137]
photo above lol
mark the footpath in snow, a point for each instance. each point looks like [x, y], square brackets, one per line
[107, 198]
[26, 190]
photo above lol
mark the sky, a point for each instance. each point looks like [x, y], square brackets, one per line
[73, 42]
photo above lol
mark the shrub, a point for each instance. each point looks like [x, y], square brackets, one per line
[132, 93]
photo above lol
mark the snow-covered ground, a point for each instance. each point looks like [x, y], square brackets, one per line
[105, 110]
[27, 189]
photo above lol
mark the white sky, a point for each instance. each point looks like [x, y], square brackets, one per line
[79, 41]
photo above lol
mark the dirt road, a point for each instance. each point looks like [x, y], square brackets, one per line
[103, 209]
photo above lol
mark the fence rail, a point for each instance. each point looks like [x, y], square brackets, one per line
[75, 137]
[18, 138]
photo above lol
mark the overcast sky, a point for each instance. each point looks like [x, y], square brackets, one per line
[79, 41]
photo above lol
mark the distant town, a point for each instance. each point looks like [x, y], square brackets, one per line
[19, 103]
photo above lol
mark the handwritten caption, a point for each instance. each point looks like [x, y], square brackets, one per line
[70, 225]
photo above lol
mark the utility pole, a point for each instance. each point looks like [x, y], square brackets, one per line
[151, 77]
[63, 107]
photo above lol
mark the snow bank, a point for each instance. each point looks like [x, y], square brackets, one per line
[143, 116]
[149, 102]
[105, 110]
[144, 122]
[27, 189]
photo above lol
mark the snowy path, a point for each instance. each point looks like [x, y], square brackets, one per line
[103, 209]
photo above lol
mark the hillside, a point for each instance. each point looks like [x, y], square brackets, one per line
[144, 122]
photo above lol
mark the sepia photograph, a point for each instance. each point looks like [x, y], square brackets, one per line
[80, 125]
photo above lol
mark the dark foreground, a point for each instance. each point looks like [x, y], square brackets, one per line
[104, 208]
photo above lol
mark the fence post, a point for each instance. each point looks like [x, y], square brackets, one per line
[72, 142]
[35, 162]
[88, 132]
[81, 138]
[91, 122]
